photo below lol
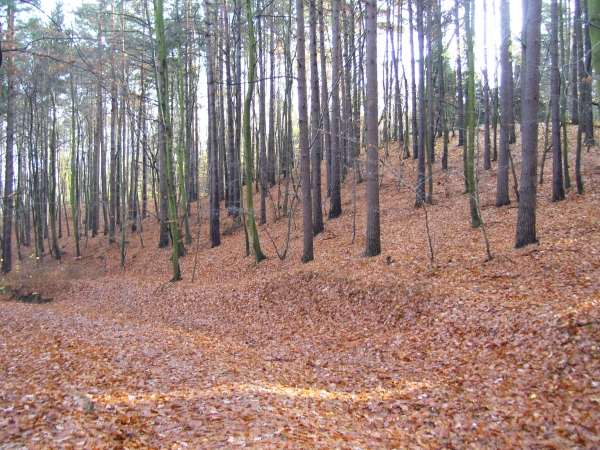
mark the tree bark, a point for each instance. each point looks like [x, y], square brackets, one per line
[558, 192]
[335, 203]
[502, 197]
[315, 113]
[258, 254]
[10, 142]
[307, 223]
[215, 232]
[470, 17]
[526, 223]
[373, 240]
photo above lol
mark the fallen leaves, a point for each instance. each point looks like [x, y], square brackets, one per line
[345, 351]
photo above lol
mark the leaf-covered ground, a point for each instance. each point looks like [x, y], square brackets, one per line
[343, 352]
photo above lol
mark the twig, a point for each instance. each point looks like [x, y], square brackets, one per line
[427, 230]
[200, 215]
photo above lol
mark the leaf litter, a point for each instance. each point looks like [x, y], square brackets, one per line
[343, 352]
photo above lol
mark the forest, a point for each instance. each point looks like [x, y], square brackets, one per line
[320, 224]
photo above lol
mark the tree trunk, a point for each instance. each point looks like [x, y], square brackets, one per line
[373, 240]
[335, 203]
[315, 113]
[98, 138]
[52, 203]
[526, 229]
[502, 197]
[162, 85]
[414, 114]
[262, 127]
[469, 19]
[258, 254]
[307, 224]
[421, 148]
[215, 232]
[74, 180]
[10, 142]
[487, 147]
[558, 192]
[325, 97]
[459, 82]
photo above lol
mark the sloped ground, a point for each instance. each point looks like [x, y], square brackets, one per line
[344, 352]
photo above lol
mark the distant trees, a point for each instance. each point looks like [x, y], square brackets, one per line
[142, 109]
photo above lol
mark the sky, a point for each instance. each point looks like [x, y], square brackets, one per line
[493, 30]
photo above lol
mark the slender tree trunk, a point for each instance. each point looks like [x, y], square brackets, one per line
[234, 202]
[262, 126]
[563, 99]
[162, 84]
[526, 229]
[112, 183]
[487, 147]
[98, 138]
[586, 78]
[373, 240]
[577, 59]
[469, 19]
[182, 146]
[307, 223]
[442, 89]
[215, 233]
[421, 148]
[459, 81]
[414, 114]
[74, 180]
[272, 102]
[52, 203]
[7, 216]
[430, 134]
[316, 137]
[558, 192]
[502, 197]
[325, 96]
[335, 208]
[258, 254]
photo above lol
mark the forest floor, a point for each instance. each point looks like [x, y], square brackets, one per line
[343, 352]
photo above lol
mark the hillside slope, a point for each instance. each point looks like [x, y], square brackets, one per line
[394, 351]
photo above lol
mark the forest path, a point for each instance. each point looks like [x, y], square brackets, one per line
[120, 365]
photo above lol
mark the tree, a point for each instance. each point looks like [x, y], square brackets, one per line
[413, 85]
[215, 233]
[335, 193]
[470, 175]
[258, 254]
[53, 150]
[327, 140]
[459, 79]
[558, 192]
[373, 241]
[502, 197]
[486, 98]
[420, 149]
[526, 229]
[307, 253]
[74, 181]
[165, 129]
[10, 142]
[315, 118]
